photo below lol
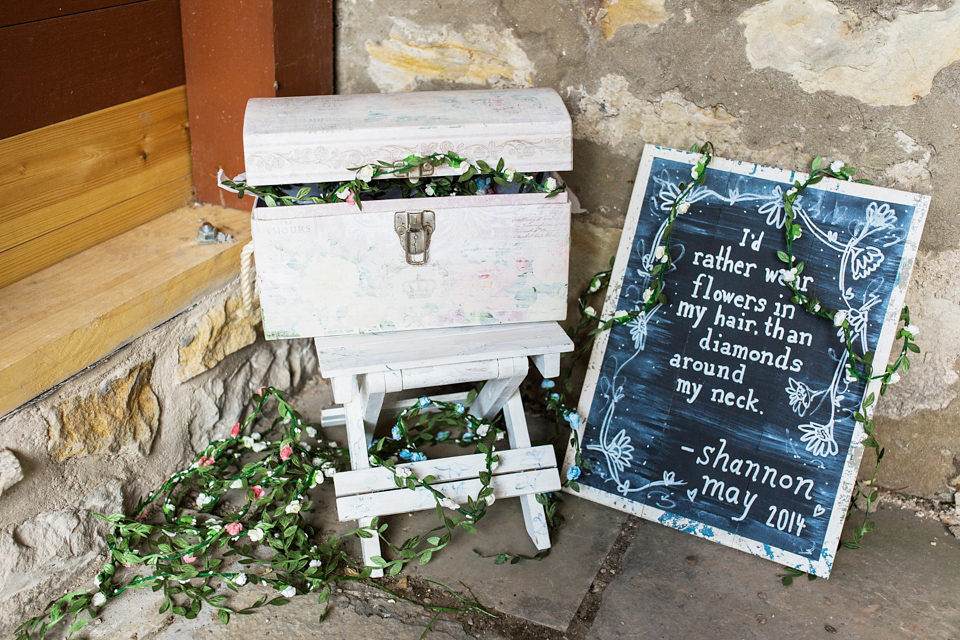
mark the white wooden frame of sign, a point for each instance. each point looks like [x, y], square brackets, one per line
[886, 339]
[363, 369]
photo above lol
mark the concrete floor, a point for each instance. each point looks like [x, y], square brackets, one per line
[609, 576]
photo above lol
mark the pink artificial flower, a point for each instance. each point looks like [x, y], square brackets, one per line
[189, 559]
[257, 492]
[204, 461]
[261, 390]
[235, 431]
[286, 452]
[140, 517]
[234, 528]
[350, 197]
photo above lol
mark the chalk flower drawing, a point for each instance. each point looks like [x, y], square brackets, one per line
[800, 396]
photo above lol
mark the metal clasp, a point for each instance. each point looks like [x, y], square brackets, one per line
[421, 171]
[414, 229]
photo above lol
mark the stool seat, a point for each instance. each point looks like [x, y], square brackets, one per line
[364, 368]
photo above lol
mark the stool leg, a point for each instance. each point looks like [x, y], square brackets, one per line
[534, 516]
[355, 411]
[496, 392]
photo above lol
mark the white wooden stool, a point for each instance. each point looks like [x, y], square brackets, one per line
[363, 368]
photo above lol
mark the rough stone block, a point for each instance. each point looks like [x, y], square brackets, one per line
[125, 411]
[10, 470]
[223, 330]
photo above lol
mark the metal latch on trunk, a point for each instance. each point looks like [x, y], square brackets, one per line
[414, 229]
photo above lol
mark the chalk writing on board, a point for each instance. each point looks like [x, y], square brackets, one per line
[728, 411]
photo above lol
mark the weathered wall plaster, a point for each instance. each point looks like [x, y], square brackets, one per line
[875, 84]
[878, 60]
[478, 55]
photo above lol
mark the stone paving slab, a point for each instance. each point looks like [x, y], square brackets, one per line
[899, 585]
[546, 592]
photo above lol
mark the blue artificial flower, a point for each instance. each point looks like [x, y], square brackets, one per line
[574, 419]
[405, 454]
[417, 456]
[442, 435]
[423, 402]
[396, 433]
[554, 396]
[548, 384]
[467, 437]
[459, 408]
[573, 473]
[483, 183]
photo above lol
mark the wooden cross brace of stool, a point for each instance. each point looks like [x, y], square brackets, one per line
[364, 368]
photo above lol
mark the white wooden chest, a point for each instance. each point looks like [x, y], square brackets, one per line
[419, 261]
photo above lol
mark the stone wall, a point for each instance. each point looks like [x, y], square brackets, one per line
[115, 432]
[874, 83]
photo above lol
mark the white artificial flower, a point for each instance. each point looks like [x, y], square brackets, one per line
[499, 435]
[509, 175]
[483, 430]
[590, 311]
[289, 592]
[96, 580]
[647, 294]
[836, 166]
[237, 484]
[791, 191]
[329, 472]
[318, 478]
[494, 464]
[256, 436]
[449, 504]
[594, 286]
[293, 507]
[429, 190]
[839, 319]
[331, 443]
[464, 167]
[247, 441]
[343, 192]
[315, 563]
[203, 499]
[694, 173]
[912, 329]
[312, 432]
[683, 207]
[816, 307]
[894, 378]
[255, 535]
[316, 462]
[241, 579]
[373, 461]
[788, 275]
[99, 599]
[366, 173]
[490, 499]
[403, 472]
[259, 446]
[550, 184]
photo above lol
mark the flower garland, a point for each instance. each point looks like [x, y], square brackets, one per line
[474, 179]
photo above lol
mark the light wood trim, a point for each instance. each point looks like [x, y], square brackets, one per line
[36, 254]
[70, 315]
[58, 175]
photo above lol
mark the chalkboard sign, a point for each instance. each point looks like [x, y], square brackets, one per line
[727, 412]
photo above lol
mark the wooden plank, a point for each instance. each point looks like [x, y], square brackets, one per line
[335, 416]
[302, 67]
[70, 315]
[65, 67]
[18, 12]
[349, 483]
[355, 354]
[30, 257]
[63, 173]
[385, 503]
